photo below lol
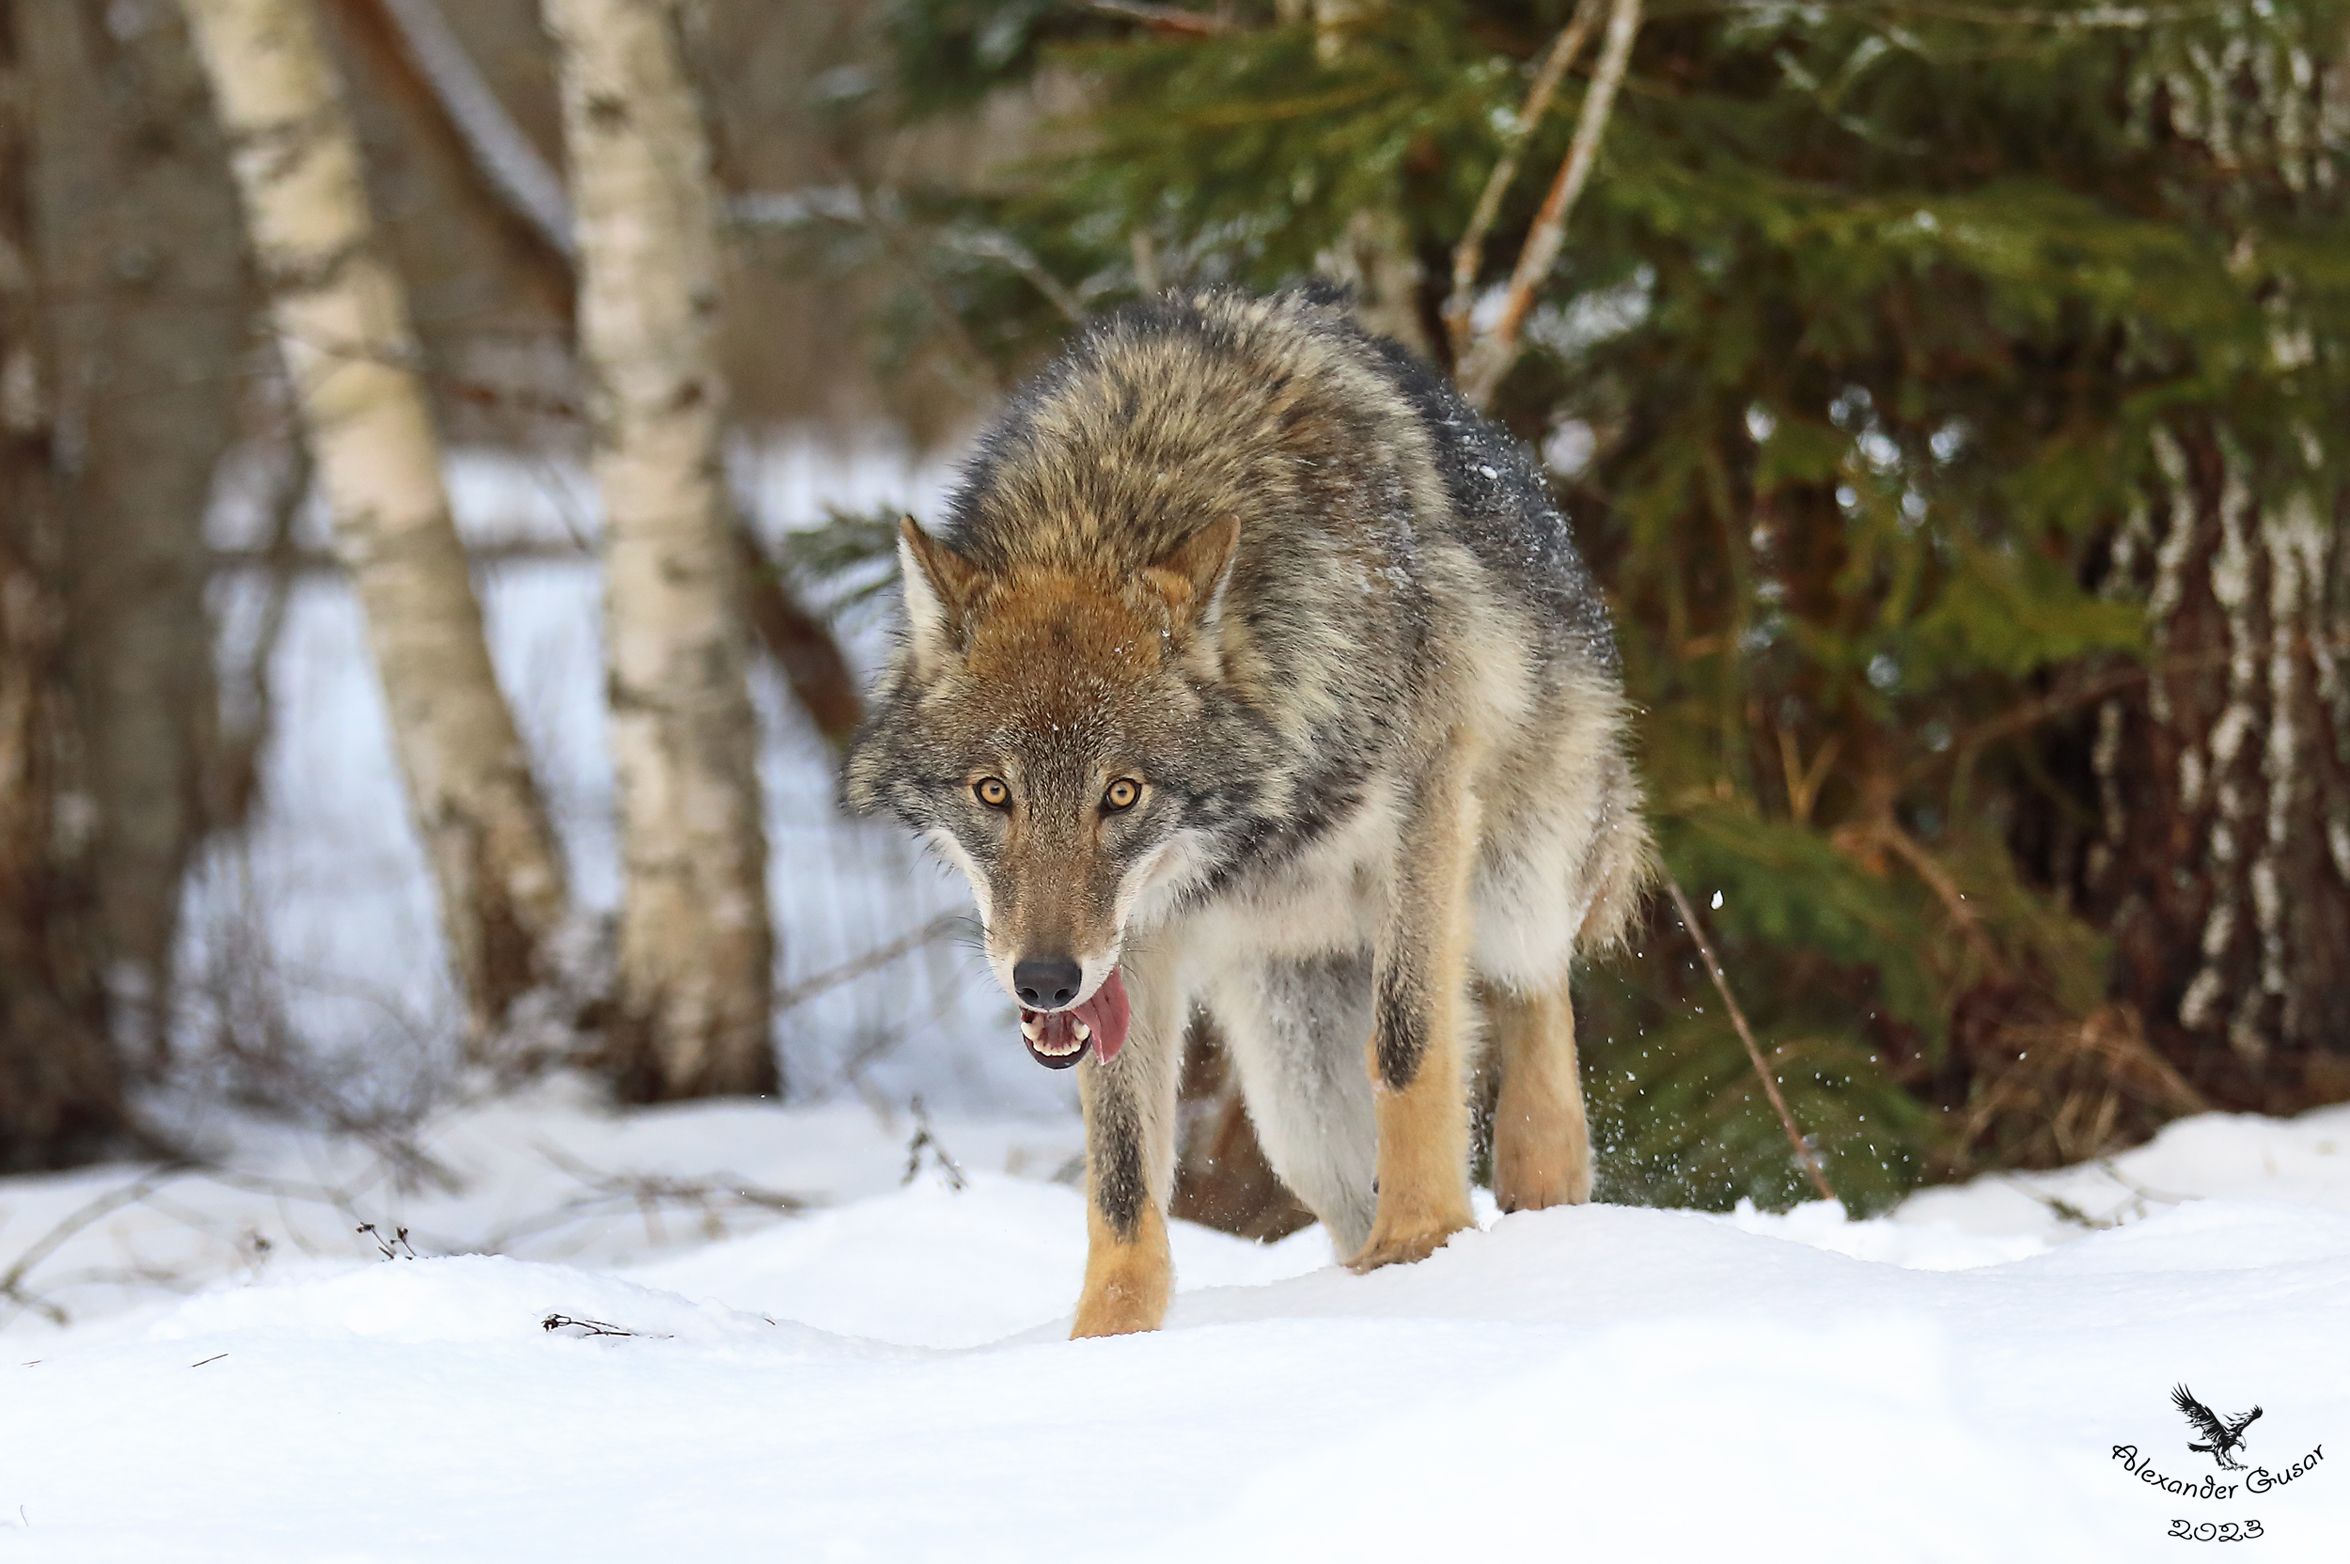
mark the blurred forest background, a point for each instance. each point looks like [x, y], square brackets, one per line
[1953, 396]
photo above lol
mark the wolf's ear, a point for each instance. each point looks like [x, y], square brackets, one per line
[1191, 576]
[940, 585]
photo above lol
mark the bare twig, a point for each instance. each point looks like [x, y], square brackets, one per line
[880, 956]
[1804, 1154]
[1468, 257]
[396, 1247]
[249, 709]
[1160, 18]
[556, 1322]
[1145, 253]
[647, 1192]
[926, 1139]
[13, 1279]
[1490, 359]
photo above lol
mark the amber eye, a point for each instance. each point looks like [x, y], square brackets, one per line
[1122, 795]
[992, 792]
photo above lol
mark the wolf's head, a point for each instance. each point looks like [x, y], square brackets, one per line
[1062, 735]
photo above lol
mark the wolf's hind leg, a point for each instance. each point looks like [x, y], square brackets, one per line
[1541, 1142]
[1419, 1014]
[1130, 1163]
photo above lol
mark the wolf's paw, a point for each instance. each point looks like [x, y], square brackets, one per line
[1402, 1244]
[1118, 1310]
[1537, 1178]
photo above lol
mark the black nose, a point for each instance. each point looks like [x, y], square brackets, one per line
[1048, 984]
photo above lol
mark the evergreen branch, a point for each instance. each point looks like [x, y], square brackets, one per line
[1468, 256]
[1804, 1155]
[968, 362]
[1482, 374]
[995, 245]
[785, 210]
[1886, 834]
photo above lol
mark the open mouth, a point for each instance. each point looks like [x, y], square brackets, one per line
[1057, 1039]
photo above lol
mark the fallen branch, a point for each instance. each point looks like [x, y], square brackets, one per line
[1804, 1154]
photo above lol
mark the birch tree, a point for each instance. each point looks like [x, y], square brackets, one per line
[350, 353]
[60, 1081]
[695, 945]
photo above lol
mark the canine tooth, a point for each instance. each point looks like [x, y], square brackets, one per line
[1083, 1031]
[1032, 1030]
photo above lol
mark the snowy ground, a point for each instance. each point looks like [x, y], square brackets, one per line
[242, 1376]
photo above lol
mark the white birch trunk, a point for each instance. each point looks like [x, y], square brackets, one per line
[695, 945]
[350, 353]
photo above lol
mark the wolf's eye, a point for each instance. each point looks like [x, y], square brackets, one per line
[1122, 795]
[992, 792]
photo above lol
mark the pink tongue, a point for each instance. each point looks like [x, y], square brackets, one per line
[1106, 1014]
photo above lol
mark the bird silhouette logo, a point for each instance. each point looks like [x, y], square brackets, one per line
[2222, 1437]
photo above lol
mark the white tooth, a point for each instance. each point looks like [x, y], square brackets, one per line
[1030, 1029]
[1083, 1031]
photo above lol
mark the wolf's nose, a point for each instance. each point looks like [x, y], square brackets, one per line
[1047, 985]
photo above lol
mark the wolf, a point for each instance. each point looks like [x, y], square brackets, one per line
[1251, 669]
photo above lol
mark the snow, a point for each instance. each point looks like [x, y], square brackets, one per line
[882, 1375]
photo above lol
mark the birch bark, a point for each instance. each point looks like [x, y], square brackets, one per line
[350, 354]
[695, 943]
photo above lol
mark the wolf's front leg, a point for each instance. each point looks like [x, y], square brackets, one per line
[1418, 1018]
[1130, 1162]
